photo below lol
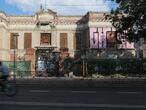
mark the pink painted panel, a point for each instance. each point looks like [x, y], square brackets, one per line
[93, 38]
[105, 37]
[98, 37]
[102, 37]
[126, 45]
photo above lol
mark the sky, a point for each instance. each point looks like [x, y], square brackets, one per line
[62, 7]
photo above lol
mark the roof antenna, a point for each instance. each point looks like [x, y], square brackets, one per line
[45, 6]
[41, 7]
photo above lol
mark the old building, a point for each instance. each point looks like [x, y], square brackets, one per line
[35, 37]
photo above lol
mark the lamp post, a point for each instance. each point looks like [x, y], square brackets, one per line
[84, 61]
[15, 35]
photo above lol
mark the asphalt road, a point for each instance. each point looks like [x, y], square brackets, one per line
[46, 98]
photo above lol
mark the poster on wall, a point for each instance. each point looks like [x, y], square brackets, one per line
[111, 38]
[97, 38]
[94, 37]
[102, 39]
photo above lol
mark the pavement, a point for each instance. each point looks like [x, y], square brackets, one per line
[82, 81]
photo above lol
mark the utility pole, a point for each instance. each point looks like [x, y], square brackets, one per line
[84, 62]
[46, 6]
[15, 35]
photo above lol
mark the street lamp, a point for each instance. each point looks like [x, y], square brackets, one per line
[84, 62]
[15, 35]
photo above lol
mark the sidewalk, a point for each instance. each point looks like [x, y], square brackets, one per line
[82, 82]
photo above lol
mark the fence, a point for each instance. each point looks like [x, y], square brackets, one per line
[21, 68]
[112, 66]
[93, 66]
[106, 66]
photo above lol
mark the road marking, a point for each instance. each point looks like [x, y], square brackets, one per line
[72, 105]
[87, 92]
[39, 91]
[131, 92]
[84, 92]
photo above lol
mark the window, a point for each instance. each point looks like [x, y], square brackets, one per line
[63, 40]
[13, 41]
[46, 38]
[27, 40]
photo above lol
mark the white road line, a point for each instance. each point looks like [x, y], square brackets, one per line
[84, 92]
[89, 92]
[72, 105]
[39, 91]
[131, 92]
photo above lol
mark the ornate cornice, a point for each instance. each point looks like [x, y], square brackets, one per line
[50, 17]
[42, 11]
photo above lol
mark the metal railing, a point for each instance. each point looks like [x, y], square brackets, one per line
[104, 67]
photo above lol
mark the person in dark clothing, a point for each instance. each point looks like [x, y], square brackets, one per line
[57, 68]
[4, 71]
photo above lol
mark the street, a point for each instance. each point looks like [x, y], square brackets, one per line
[40, 98]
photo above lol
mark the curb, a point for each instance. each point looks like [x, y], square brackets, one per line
[84, 82]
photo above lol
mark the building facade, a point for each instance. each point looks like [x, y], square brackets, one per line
[34, 37]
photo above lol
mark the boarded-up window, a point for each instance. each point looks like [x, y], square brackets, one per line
[13, 41]
[27, 40]
[46, 38]
[63, 40]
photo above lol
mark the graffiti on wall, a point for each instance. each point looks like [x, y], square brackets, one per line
[124, 43]
[97, 38]
[106, 38]
[93, 38]
[102, 39]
